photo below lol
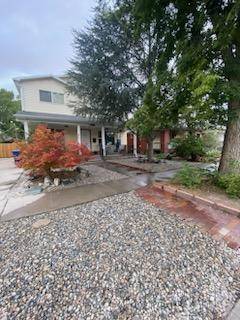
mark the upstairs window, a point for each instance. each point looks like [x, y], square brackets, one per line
[52, 97]
[45, 96]
[57, 98]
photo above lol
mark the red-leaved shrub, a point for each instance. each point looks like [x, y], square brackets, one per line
[47, 150]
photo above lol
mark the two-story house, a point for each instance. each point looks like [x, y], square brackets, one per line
[44, 99]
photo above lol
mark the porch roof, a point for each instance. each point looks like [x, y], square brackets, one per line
[56, 118]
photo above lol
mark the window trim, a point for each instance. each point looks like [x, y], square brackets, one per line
[47, 92]
[51, 95]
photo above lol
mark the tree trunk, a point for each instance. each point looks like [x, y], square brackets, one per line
[150, 150]
[230, 159]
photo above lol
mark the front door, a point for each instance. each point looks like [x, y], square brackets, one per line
[86, 138]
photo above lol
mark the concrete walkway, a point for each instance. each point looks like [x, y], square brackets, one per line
[9, 175]
[45, 202]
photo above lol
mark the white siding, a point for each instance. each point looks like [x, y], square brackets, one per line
[31, 101]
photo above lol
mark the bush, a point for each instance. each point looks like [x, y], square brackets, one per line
[161, 156]
[230, 183]
[47, 150]
[211, 139]
[191, 177]
[190, 147]
[212, 156]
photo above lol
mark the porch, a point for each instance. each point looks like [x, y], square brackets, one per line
[89, 132]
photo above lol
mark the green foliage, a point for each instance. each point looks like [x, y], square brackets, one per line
[148, 117]
[189, 147]
[111, 66]
[197, 90]
[193, 177]
[161, 156]
[9, 127]
[190, 177]
[142, 122]
[234, 165]
[194, 147]
[211, 156]
[189, 48]
[205, 60]
[211, 140]
[230, 183]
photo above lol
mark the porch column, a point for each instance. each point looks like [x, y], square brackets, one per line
[79, 138]
[26, 129]
[103, 142]
[165, 139]
[135, 145]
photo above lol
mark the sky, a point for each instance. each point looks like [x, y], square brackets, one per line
[36, 36]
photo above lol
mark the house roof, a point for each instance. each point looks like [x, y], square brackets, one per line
[55, 118]
[18, 80]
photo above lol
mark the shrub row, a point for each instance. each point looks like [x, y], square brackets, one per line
[194, 177]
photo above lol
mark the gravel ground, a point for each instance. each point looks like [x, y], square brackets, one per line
[115, 258]
[97, 175]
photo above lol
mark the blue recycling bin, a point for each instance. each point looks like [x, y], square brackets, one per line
[16, 154]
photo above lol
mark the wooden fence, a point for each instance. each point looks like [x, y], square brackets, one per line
[6, 149]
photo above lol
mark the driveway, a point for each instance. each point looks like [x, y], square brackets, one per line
[9, 174]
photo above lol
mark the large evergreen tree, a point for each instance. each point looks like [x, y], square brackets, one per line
[112, 65]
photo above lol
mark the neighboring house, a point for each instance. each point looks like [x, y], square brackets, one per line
[160, 143]
[44, 99]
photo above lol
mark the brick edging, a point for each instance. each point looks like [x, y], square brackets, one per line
[190, 196]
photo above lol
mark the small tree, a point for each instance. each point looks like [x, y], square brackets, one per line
[149, 118]
[143, 124]
[46, 150]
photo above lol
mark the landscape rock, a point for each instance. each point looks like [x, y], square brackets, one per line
[115, 258]
[46, 182]
[56, 181]
[40, 223]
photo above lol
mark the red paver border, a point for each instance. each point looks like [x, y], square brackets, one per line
[205, 214]
[201, 200]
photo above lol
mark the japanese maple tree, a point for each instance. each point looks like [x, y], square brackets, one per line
[46, 150]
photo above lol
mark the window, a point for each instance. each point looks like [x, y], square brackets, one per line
[57, 98]
[45, 96]
[53, 97]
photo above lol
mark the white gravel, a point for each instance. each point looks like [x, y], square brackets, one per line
[115, 258]
[97, 175]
